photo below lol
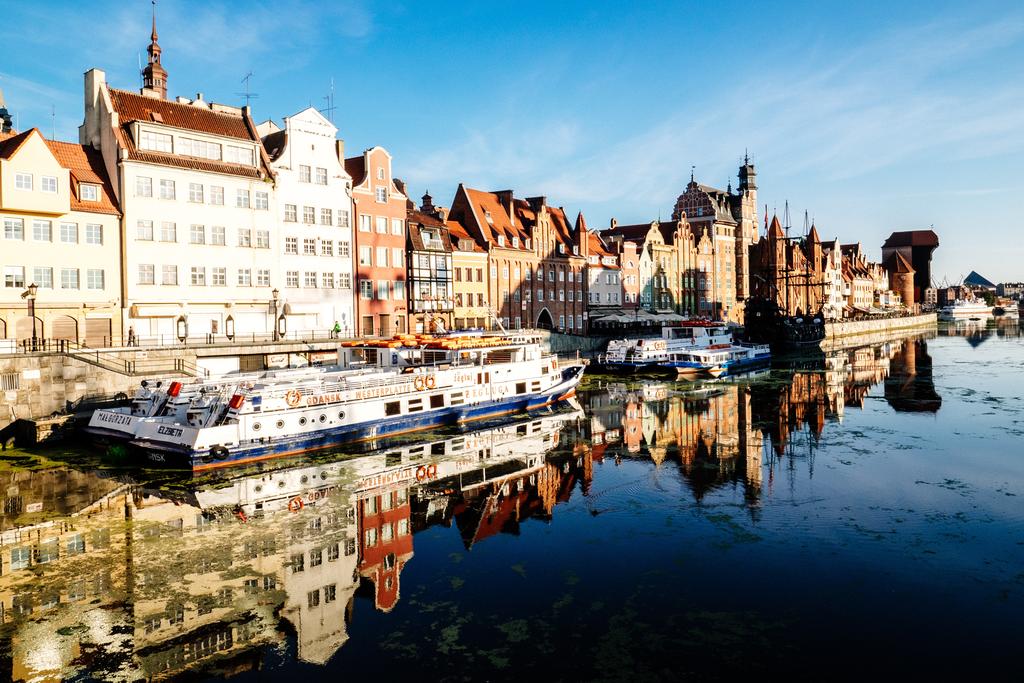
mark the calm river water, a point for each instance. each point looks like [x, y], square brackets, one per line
[858, 512]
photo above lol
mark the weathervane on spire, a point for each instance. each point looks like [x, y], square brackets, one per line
[692, 169]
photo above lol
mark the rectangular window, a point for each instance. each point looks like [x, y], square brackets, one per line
[321, 176]
[344, 280]
[437, 401]
[168, 232]
[69, 278]
[42, 231]
[298, 563]
[382, 225]
[262, 200]
[331, 591]
[198, 276]
[43, 277]
[241, 199]
[197, 234]
[23, 181]
[238, 155]
[304, 174]
[326, 217]
[93, 233]
[291, 245]
[316, 557]
[399, 289]
[327, 247]
[309, 215]
[365, 289]
[244, 237]
[218, 235]
[291, 278]
[382, 290]
[14, 276]
[219, 276]
[344, 248]
[143, 186]
[14, 229]
[397, 226]
[48, 183]
[244, 277]
[365, 223]
[291, 214]
[147, 274]
[366, 256]
[343, 218]
[371, 538]
[216, 195]
[191, 147]
[94, 278]
[381, 194]
[263, 277]
[309, 280]
[263, 239]
[327, 280]
[167, 189]
[169, 275]
[158, 142]
[382, 257]
[69, 233]
[195, 193]
[387, 531]
[309, 247]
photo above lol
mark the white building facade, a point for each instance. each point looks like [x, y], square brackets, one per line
[313, 211]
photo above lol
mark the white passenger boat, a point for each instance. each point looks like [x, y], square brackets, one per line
[403, 385]
[717, 360]
[170, 400]
[965, 310]
[649, 355]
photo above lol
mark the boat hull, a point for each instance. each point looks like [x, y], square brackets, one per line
[166, 453]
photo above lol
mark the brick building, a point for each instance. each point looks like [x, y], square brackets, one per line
[380, 205]
[431, 303]
[536, 258]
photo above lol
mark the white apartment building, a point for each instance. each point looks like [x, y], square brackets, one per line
[604, 288]
[314, 222]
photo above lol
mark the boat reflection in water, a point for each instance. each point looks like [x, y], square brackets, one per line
[117, 579]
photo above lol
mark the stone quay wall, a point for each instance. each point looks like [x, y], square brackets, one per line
[853, 328]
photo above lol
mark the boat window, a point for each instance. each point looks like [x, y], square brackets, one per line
[437, 401]
[280, 424]
[536, 386]
[457, 399]
[392, 408]
[323, 418]
[256, 426]
[341, 415]
[415, 405]
[520, 387]
[302, 421]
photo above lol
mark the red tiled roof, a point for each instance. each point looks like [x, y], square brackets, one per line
[596, 245]
[131, 107]
[11, 142]
[274, 143]
[356, 168]
[632, 233]
[457, 232]
[86, 166]
[500, 223]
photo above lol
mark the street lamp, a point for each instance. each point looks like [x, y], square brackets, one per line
[275, 294]
[30, 295]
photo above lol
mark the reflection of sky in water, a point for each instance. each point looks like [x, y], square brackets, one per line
[713, 539]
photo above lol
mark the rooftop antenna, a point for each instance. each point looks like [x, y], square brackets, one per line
[248, 94]
[328, 110]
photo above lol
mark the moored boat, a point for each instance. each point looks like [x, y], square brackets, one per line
[965, 310]
[401, 385]
[647, 355]
[718, 360]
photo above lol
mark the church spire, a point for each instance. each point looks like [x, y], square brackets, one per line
[154, 78]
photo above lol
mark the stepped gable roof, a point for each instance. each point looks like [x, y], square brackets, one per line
[460, 237]
[975, 279]
[275, 143]
[912, 238]
[897, 263]
[86, 166]
[356, 168]
[131, 107]
[11, 142]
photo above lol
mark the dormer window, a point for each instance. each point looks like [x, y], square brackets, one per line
[89, 192]
[157, 142]
[501, 240]
[488, 217]
[561, 248]
[575, 250]
[515, 242]
[527, 242]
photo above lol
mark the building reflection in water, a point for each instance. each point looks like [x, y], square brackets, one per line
[119, 580]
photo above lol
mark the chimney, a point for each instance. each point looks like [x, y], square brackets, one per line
[537, 203]
[89, 132]
[505, 199]
[339, 147]
[613, 224]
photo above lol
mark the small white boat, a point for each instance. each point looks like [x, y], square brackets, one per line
[648, 354]
[717, 360]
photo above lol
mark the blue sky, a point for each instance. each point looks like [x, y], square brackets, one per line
[871, 116]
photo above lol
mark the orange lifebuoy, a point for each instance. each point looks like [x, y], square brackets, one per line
[419, 383]
[421, 473]
[431, 382]
[293, 397]
[295, 504]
